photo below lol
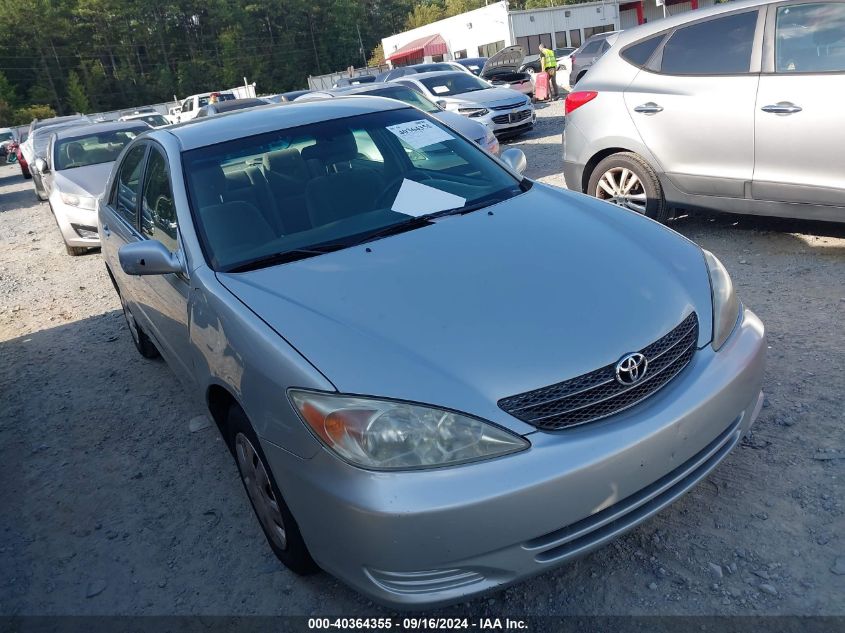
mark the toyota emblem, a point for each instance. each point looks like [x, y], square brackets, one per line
[631, 369]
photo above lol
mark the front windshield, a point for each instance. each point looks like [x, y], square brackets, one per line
[332, 184]
[82, 151]
[446, 85]
[406, 95]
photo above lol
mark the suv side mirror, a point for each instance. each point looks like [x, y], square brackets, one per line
[441, 104]
[515, 159]
[41, 165]
[148, 257]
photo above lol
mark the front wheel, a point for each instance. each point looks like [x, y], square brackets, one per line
[142, 342]
[627, 180]
[270, 508]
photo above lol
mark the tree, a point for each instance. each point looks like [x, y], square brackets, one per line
[376, 57]
[423, 14]
[77, 100]
[456, 7]
[26, 115]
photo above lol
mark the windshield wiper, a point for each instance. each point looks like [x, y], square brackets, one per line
[285, 257]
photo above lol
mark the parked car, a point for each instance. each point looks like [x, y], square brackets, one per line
[472, 64]
[153, 119]
[190, 106]
[38, 145]
[58, 120]
[495, 441]
[74, 175]
[472, 130]
[228, 106]
[402, 71]
[502, 70]
[286, 97]
[503, 110]
[591, 51]
[22, 132]
[354, 81]
[641, 129]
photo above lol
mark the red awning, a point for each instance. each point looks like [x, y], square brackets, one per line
[423, 47]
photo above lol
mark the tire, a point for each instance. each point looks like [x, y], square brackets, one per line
[75, 250]
[273, 514]
[143, 343]
[643, 194]
[39, 190]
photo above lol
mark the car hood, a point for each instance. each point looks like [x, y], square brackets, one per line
[488, 97]
[471, 129]
[478, 307]
[509, 59]
[86, 181]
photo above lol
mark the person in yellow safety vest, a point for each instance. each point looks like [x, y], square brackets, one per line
[548, 61]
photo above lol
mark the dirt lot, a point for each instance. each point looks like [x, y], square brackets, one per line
[112, 505]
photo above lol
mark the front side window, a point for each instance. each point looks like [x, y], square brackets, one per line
[296, 193]
[445, 85]
[81, 151]
[125, 200]
[810, 38]
[721, 46]
[188, 105]
[158, 213]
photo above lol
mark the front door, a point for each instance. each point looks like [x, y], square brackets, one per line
[693, 105]
[800, 116]
[163, 299]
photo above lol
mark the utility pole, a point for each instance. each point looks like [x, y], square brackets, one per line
[361, 45]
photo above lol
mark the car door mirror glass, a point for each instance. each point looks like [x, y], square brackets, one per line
[515, 159]
[148, 257]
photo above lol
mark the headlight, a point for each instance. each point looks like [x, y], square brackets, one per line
[725, 303]
[472, 111]
[83, 202]
[384, 434]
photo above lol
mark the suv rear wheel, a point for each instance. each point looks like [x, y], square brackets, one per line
[627, 180]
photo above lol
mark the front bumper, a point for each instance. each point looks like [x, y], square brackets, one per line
[426, 538]
[75, 224]
[504, 122]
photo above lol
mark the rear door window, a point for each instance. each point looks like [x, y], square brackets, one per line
[810, 38]
[721, 46]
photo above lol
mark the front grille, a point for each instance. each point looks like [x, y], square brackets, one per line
[598, 394]
[422, 582]
[517, 117]
[509, 106]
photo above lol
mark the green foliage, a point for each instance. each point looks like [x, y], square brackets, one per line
[25, 115]
[77, 101]
[423, 14]
[376, 57]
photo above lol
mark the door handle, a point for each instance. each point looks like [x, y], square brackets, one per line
[648, 108]
[106, 231]
[784, 107]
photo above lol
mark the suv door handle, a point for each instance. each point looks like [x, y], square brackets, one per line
[648, 108]
[784, 107]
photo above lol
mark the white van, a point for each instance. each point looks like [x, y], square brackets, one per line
[190, 106]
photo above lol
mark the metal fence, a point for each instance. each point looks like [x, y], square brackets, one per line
[325, 82]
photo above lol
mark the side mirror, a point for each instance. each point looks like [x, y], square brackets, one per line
[148, 257]
[441, 104]
[515, 159]
[41, 165]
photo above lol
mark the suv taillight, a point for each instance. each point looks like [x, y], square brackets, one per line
[575, 100]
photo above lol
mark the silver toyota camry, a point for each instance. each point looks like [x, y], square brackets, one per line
[436, 377]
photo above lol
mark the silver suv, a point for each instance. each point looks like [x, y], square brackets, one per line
[730, 108]
[583, 58]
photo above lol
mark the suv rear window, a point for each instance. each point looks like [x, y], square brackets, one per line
[716, 47]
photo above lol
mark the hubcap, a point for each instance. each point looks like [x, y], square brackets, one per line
[259, 490]
[621, 186]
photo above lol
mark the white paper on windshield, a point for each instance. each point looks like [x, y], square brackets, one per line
[419, 134]
[417, 199]
[440, 89]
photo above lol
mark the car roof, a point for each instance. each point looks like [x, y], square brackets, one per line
[97, 128]
[49, 129]
[252, 121]
[235, 104]
[437, 73]
[658, 26]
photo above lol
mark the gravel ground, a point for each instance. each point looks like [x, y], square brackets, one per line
[113, 505]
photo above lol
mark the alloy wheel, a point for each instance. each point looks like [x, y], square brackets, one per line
[622, 186]
[260, 490]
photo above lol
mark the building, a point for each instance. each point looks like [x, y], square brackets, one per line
[482, 32]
